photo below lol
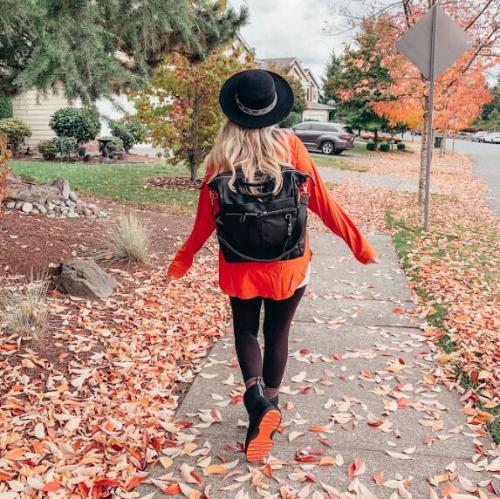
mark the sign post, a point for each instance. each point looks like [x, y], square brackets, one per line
[433, 45]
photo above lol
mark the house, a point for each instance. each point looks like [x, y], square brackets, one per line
[312, 89]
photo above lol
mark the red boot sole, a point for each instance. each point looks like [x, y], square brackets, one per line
[260, 446]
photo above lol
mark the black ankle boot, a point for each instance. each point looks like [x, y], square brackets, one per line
[264, 420]
[275, 400]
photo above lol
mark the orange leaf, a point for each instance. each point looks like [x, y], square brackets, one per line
[14, 454]
[4, 477]
[327, 461]
[268, 471]
[317, 429]
[134, 482]
[51, 486]
[173, 490]
[448, 490]
[215, 469]
[357, 467]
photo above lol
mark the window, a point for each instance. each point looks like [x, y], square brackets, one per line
[303, 126]
[320, 127]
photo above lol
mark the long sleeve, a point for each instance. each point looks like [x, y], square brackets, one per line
[322, 203]
[202, 230]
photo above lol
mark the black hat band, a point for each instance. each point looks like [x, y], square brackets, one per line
[256, 112]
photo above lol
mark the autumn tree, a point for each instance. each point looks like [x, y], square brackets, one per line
[460, 91]
[358, 81]
[180, 106]
[95, 49]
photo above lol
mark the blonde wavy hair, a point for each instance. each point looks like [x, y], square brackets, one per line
[258, 152]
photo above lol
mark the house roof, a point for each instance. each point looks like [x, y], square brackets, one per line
[243, 42]
[313, 78]
[281, 62]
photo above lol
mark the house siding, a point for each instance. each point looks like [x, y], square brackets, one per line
[36, 110]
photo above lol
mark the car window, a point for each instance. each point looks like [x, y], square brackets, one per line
[349, 129]
[319, 127]
[303, 126]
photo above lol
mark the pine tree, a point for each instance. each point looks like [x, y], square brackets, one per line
[97, 48]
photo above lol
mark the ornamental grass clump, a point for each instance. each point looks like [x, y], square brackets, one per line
[131, 239]
[23, 306]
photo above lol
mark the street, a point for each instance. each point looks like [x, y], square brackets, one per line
[487, 166]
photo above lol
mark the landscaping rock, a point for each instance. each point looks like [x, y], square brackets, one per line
[53, 197]
[84, 278]
[26, 207]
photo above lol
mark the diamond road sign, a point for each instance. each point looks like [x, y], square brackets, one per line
[450, 43]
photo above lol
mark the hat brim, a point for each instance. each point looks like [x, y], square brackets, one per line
[227, 100]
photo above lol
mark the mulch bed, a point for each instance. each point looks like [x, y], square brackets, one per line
[182, 183]
[32, 245]
[36, 243]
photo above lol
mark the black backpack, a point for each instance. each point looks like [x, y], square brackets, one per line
[261, 226]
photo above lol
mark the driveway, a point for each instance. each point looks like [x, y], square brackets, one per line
[486, 158]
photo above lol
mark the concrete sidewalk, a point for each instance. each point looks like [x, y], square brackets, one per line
[360, 376]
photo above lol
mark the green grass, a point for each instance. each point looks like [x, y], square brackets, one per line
[337, 162]
[120, 182]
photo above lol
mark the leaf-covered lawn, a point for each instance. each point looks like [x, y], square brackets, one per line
[120, 182]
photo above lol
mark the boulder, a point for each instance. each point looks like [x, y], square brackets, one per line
[84, 278]
[18, 189]
[27, 207]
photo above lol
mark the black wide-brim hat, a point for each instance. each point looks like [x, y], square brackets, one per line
[256, 98]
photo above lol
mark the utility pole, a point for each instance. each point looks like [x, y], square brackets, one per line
[430, 114]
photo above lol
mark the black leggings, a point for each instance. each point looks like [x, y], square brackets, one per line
[278, 315]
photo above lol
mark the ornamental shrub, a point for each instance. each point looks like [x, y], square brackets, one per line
[401, 146]
[80, 123]
[291, 120]
[370, 146]
[16, 130]
[385, 147]
[129, 129]
[48, 149]
[63, 147]
[5, 107]
[66, 146]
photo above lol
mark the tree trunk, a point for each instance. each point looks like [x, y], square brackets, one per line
[375, 139]
[195, 156]
[442, 149]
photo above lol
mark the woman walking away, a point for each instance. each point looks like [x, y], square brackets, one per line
[259, 183]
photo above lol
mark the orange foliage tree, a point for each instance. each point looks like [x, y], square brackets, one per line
[460, 92]
[180, 106]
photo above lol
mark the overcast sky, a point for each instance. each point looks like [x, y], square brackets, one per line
[291, 28]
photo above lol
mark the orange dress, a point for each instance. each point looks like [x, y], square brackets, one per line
[275, 280]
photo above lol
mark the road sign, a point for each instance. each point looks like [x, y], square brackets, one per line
[433, 45]
[450, 42]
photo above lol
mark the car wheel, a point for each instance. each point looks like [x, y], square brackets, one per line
[328, 147]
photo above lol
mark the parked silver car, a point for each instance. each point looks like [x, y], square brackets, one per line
[326, 137]
[479, 136]
[492, 138]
